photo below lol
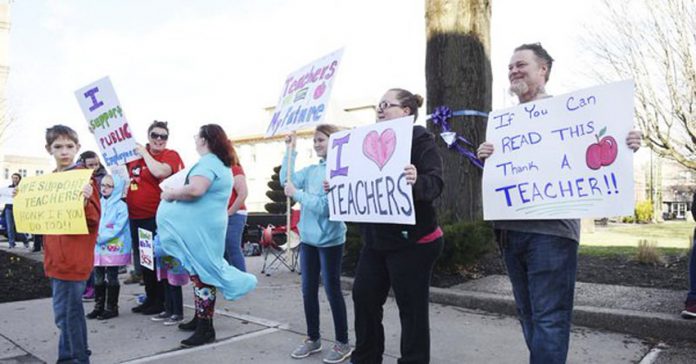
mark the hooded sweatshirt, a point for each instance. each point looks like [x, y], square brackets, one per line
[71, 257]
[315, 227]
[429, 185]
[114, 240]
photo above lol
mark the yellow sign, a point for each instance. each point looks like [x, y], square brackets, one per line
[52, 204]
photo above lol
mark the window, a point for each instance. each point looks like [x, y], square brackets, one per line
[7, 173]
[38, 172]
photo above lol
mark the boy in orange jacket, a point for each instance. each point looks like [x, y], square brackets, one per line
[68, 259]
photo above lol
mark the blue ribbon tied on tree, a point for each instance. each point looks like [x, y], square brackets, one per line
[440, 116]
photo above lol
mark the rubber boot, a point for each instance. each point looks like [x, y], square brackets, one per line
[99, 298]
[111, 303]
[204, 334]
[189, 326]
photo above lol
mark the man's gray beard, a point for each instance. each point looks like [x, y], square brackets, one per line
[518, 88]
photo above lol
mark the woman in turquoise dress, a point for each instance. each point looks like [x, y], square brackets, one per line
[192, 223]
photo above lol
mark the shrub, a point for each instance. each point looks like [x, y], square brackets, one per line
[276, 194]
[647, 252]
[352, 248]
[465, 243]
[644, 211]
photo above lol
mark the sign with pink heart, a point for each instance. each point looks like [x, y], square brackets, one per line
[365, 170]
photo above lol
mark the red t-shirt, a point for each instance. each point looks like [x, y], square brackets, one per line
[144, 192]
[236, 171]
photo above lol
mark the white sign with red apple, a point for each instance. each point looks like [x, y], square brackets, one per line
[562, 157]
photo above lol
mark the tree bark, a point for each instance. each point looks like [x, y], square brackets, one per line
[458, 75]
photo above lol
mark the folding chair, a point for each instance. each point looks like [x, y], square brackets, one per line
[276, 248]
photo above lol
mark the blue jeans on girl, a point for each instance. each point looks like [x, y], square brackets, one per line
[326, 261]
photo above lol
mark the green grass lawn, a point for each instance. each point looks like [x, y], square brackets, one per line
[669, 234]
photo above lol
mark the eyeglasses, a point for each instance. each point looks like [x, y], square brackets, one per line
[154, 135]
[385, 105]
[104, 185]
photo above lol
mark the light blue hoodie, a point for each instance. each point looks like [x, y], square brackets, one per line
[315, 227]
[114, 240]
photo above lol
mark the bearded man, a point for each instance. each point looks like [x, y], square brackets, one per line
[541, 256]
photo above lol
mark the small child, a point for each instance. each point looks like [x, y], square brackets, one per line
[90, 159]
[68, 259]
[113, 248]
[170, 270]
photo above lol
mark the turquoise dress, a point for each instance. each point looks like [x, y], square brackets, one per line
[194, 231]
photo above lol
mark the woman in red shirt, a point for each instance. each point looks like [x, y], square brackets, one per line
[143, 198]
[237, 216]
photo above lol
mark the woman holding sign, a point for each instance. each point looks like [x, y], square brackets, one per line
[192, 223]
[401, 257]
[321, 249]
[156, 164]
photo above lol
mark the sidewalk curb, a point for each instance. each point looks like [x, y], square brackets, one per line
[637, 323]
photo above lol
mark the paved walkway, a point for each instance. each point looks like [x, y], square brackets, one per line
[267, 324]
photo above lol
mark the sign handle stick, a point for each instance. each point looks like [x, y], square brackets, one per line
[288, 202]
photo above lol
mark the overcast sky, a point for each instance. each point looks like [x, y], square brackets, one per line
[221, 61]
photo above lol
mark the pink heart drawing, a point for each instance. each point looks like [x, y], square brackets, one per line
[379, 148]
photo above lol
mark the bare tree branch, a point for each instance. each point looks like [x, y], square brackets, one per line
[654, 43]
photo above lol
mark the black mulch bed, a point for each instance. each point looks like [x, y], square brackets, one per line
[22, 279]
[613, 269]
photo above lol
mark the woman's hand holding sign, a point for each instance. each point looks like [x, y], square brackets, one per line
[411, 174]
[291, 140]
[290, 189]
[167, 194]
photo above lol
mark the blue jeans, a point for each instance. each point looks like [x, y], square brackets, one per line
[70, 319]
[542, 271]
[9, 224]
[233, 241]
[691, 296]
[327, 261]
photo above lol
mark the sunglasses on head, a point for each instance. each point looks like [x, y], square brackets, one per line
[154, 135]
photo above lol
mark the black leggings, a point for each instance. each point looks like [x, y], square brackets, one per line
[408, 272]
[154, 289]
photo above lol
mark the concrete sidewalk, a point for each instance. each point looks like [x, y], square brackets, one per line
[470, 323]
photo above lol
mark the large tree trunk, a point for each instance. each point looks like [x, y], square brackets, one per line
[458, 75]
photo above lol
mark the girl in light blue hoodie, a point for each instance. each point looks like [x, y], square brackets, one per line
[321, 249]
[113, 248]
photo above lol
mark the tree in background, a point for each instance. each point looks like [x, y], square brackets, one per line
[654, 43]
[276, 194]
[458, 75]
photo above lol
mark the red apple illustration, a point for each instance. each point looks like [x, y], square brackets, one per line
[319, 91]
[602, 153]
[609, 150]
